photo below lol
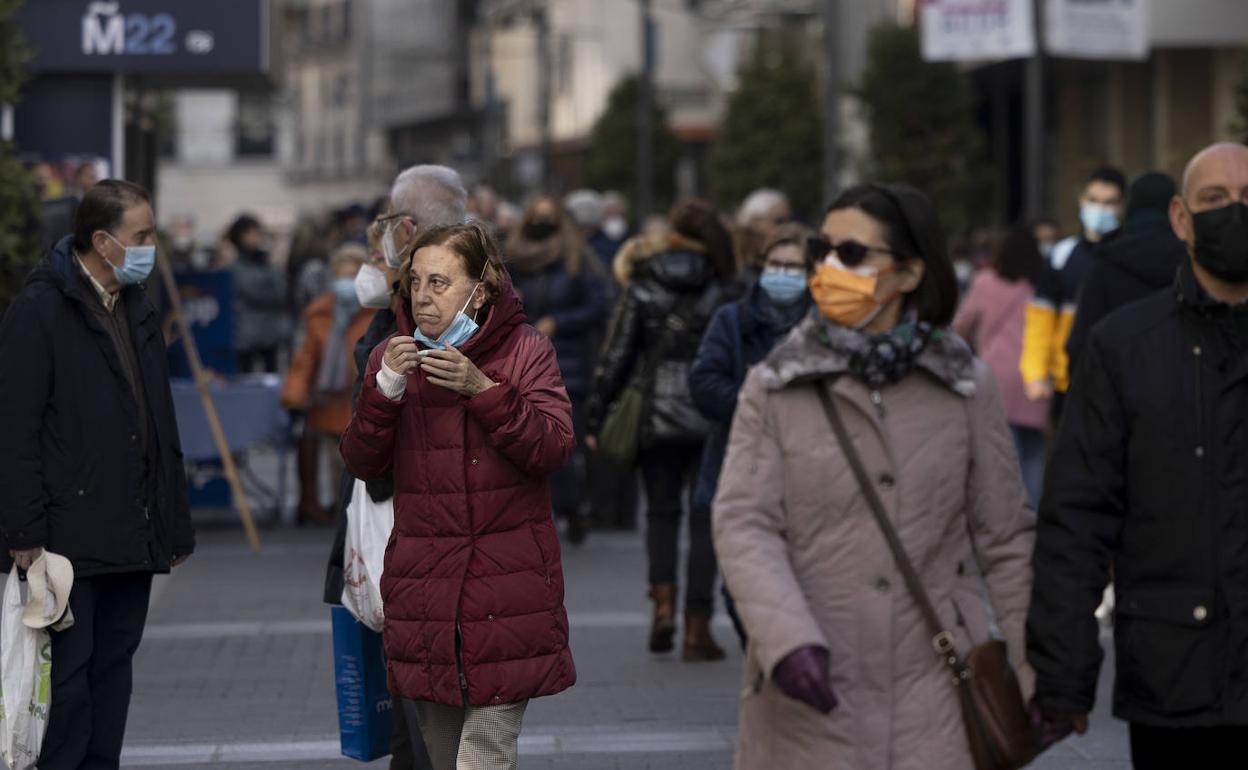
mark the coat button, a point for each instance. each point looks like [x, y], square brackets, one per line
[489, 617]
[1200, 451]
[134, 437]
[887, 481]
[882, 585]
[81, 492]
[474, 461]
[1196, 350]
[1200, 613]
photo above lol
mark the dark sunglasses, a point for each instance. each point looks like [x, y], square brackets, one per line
[851, 253]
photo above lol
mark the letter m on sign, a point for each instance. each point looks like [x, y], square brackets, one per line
[103, 35]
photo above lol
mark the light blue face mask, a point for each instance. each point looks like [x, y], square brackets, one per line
[460, 330]
[136, 266]
[1098, 218]
[783, 287]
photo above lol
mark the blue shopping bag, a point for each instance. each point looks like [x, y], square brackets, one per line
[365, 711]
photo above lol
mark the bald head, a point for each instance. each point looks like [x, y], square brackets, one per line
[1223, 165]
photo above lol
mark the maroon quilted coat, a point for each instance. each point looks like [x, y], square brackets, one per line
[474, 544]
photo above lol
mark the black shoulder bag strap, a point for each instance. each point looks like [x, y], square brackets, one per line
[942, 640]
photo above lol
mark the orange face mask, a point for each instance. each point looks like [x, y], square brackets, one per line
[846, 298]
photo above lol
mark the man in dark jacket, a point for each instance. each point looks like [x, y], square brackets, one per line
[1140, 261]
[1149, 476]
[91, 466]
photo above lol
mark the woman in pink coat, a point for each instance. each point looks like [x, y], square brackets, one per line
[841, 673]
[992, 318]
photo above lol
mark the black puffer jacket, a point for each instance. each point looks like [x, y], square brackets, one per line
[81, 472]
[1141, 261]
[1149, 476]
[674, 290]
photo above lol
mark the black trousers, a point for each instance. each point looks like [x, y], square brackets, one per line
[669, 474]
[1172, 748]
[92, 674]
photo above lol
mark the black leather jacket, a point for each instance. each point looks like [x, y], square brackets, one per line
[662, 314]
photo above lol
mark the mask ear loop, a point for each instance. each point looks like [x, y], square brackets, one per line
[480, 283]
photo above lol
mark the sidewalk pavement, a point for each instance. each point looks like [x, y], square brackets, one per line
[236, 671]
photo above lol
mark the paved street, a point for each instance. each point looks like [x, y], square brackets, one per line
[236, 671]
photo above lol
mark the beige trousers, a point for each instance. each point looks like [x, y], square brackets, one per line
[473, 738]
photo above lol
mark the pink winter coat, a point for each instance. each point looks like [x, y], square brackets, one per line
[807, 564]
[474, 551]
[992, 318]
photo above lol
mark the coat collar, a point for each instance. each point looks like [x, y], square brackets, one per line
[814, 351]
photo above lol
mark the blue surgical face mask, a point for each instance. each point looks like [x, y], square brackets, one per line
[784, 287]
[136, 266]
[460, 330]
[1098, 218]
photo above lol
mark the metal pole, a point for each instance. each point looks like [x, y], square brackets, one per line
[542, 23]
[645, 113]
[1034, 122]
[831, 101]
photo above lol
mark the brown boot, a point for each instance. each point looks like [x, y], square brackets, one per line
[663, 628]
[699, 645]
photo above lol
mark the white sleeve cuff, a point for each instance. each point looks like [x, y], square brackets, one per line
[391, 384]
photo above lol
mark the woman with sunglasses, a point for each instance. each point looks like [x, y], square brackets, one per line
[466, 407]
[841, 670]
[740, 335]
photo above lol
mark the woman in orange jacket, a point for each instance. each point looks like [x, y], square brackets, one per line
[322, 372]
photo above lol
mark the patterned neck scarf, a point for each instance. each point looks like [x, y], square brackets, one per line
[884, 359]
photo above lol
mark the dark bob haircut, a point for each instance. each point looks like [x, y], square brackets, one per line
[912, 230]
[103, 208]
[1018, 256]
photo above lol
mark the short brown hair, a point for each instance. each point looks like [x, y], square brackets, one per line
[791, 233]
[103, 208]
[472, 243]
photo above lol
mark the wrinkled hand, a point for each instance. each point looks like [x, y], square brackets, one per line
[452, 370]
[546, 326]
[803, 675]
[401, 355]
[24, 559]
[1038, 390]
[1053, 726]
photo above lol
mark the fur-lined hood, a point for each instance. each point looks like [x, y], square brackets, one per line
[816, 349]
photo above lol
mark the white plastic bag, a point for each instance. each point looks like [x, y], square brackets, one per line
[25, 681]
[368, 531]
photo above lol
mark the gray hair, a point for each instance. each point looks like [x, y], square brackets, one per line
[585, 206]
[431, 195]
[759, 204]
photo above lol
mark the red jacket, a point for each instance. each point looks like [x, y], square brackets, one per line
[474, 543]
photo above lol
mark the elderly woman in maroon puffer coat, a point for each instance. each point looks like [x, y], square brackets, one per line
[465, 403]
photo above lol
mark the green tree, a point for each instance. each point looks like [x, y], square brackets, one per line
[922, 129]
[19, 244]
[611, 162]
[771, 134]
[1240, 126]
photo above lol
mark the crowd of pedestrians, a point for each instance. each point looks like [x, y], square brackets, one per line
[849, 427]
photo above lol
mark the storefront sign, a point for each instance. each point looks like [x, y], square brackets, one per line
[977, 30]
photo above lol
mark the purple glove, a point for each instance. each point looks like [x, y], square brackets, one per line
[803, 675]
[1051, 726]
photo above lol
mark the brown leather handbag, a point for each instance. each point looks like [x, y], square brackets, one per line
[998, 728]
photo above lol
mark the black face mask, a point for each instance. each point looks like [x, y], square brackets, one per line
[1222, 241]
[540, 230]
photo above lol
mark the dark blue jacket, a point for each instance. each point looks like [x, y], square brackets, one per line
[579, 304]
[82, 473]
[740, 335]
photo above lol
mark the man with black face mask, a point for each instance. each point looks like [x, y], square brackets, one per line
[1150, 475]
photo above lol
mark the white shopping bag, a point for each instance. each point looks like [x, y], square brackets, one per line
[368, 531]
[25, 680]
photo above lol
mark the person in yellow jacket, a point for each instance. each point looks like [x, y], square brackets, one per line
[1051, 313]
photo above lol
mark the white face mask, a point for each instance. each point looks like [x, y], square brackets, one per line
[371, 288]
[615, 228]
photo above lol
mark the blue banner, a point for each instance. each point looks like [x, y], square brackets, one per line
[208, 304]
[159, 36]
